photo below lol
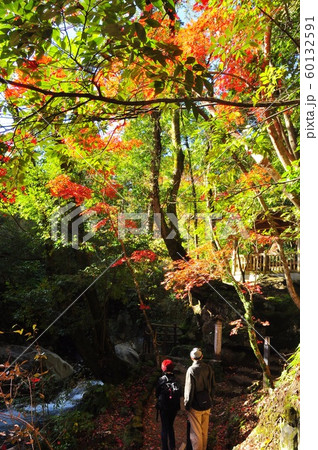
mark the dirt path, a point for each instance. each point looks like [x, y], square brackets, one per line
[152, 428]
[232, 416]
[231, 420]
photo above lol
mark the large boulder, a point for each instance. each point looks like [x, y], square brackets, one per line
[56, 365]
[126, 352]
[51, 361]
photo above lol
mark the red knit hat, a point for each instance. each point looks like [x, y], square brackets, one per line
[167, 365]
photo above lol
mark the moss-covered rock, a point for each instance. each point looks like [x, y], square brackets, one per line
[279, 410]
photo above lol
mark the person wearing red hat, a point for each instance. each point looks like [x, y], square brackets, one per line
[168, 393]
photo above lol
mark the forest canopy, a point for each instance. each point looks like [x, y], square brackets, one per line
[136, 133]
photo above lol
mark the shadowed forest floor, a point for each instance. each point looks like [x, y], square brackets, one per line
[231, 421]
[152, 428]
[232, 417]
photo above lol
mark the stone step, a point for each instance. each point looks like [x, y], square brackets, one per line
[249, 371]
[228, 390]
[242, 380]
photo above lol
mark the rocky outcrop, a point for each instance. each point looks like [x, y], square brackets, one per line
[57, 366]
[278, 422]
[36, 359]
[126, 352]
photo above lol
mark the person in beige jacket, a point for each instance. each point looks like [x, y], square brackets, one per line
[198, 390]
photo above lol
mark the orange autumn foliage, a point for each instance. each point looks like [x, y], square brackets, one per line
[256, 176]
[186, 274]
[62, 186]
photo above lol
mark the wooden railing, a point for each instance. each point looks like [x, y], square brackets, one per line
[167, 337]
[262, 263]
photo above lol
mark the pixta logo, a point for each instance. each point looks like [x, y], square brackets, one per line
[67, 224]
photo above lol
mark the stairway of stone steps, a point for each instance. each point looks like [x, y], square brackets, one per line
[241, 379]
[238, 380]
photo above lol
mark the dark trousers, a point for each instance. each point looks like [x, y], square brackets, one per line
[167, 431]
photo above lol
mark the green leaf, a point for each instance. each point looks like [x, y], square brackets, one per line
[158, 4]
[159, 86]
[171, 3]
[136, 43]
[159, 57]
[153, 23]
[74, 20]
[29, 5]
[222, 40]
[198, 67]
[131, 10]
[195, 111]
[14, 37]
[177, 51]
[140, 3]
[49, 14]
[198, 87]
[190, 60]
[177, 70]
[188, 103]
[208, 85]
[140, 32]
[149, 51]
[131, 58]
[189, 78]
[113, 29]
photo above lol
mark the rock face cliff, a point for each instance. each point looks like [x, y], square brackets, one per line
[279, 412]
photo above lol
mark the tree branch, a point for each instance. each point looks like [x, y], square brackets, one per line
[296, 42]
[165, 100]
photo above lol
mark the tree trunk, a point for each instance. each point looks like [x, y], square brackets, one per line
[284, 148]
[170, 234]
[247, 303]
[178, 164]
[292, 137]
[97, 348]
[194, 194]
[248, 316]
[276, 137]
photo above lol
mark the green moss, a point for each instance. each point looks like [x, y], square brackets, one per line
[278, 413]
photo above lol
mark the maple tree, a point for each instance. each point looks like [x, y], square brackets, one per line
[213, 264]
[125, 106]
[140, 59]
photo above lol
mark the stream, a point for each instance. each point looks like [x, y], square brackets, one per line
[65, 401]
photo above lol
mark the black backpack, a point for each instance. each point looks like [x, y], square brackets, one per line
[170, 393]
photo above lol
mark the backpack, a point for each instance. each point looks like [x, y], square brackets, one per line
[169, 396]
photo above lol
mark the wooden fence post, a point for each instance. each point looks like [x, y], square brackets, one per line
[218, 338]
[267, 342]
